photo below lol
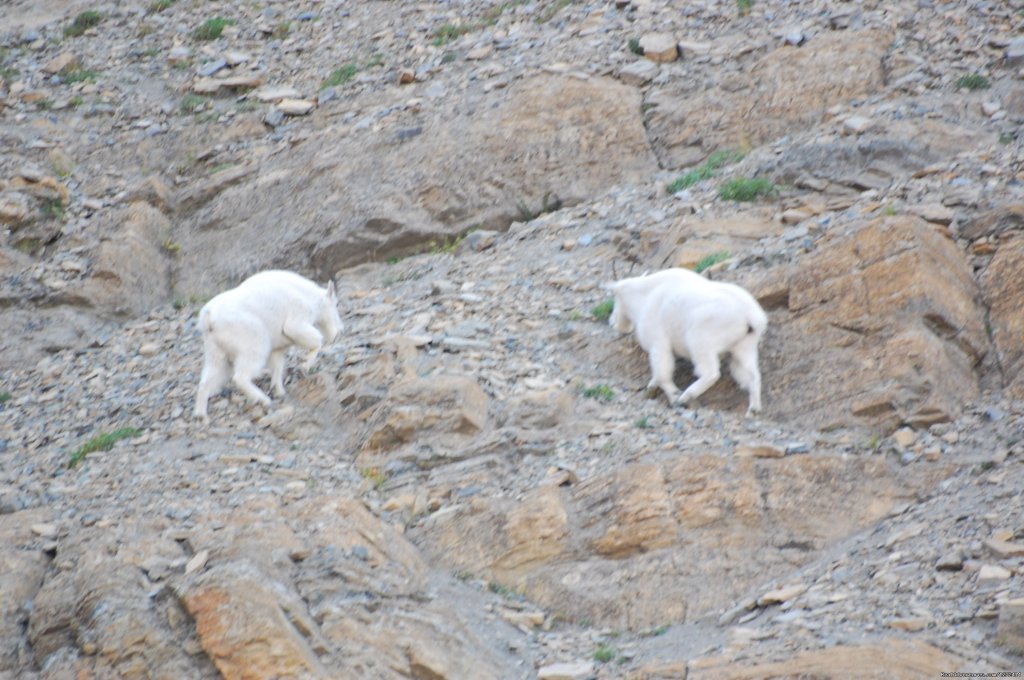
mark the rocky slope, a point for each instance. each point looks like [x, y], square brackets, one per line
[472, 483]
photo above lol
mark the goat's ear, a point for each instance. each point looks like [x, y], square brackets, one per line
[331, 291]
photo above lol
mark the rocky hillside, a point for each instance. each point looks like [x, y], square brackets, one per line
[473, 483]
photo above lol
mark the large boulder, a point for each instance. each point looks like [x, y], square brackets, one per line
[1003, 285]
[362, 193]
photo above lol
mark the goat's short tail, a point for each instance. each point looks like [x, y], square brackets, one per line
[757, 321]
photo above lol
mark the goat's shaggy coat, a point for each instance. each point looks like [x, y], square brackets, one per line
[679, 313]
[250, 327]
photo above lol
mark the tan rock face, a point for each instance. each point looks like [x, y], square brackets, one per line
[1003, 285]
[897, 327]
[791, 87]
[650, 542]
[416, 406]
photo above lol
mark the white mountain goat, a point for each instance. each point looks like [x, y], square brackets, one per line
[250, 327]
[679, 313]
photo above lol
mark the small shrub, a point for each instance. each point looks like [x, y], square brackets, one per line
[744, 6]
[552, 9]
[447, 245]
[77, 75]
[160, 5]
[44, 104]
[282, 30]
[603, 310]
[642, 424]
[502, 589]
[599, 392]
[746, 189]
[171, 247]
[211, 29]
[102, 442]
[711, 260]
[634, 46]
[340, 76]
[604, 653]
[973, 81]
[375, 475]
[449, 32]
[52, 208]
[714, 162]
[5, 397]
[83, 22]
[191, 103]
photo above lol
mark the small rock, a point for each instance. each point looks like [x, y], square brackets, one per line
[904, 437]
[197, 562]
[781, 595]
[759, 451]
[659, 47]
[1004, 548]
[296, 107]
[209, 68]
[149, 349]
[1014, 54]
[910, 625]
[953, 561]
[990, 108]
[44, 530]
[478, 53]
[857, 124]
[406, 76]
[577, 670]
[276, 94]
[178, 54]
[63, 61]
[990, 574]
[639, 72]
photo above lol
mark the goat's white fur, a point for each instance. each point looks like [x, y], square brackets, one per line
[250, 327]
[679, 313]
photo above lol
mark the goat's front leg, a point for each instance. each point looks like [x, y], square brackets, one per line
[706, 368]
[306, 336]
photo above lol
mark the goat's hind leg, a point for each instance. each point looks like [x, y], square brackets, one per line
[248, 365]
[216, 371]
[663, 366]
[276, 365]
[743, 367]
[706, 367]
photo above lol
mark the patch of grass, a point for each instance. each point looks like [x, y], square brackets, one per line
[446, 246]
[44, 104]
[604, 653]
[634, 46]
[502, 589]
[160, 5]
[747, 189]
[171, 247]
[744, 6]
[449, 32]
[375, 475]
[711, 260]
[83, 22]
[211, 29]
[376, 59]
[52, 208]
[973, 81]
[642, 424]
[5, 397]
[102, 442]
[551, 10]
[282, 30]
[495, 13]
[603, 310]
[448, 57]
[8, 73]
[889, 210]
[599, 392]
[77, 75]
[655, 632]
[1004, 137]
[191, 103]
[340, 76]
[715, 161]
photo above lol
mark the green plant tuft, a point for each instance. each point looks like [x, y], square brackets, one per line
[604, 653]
[340, 76]
[83, 22]
[642, 424]
[747, 189]
[603, 310]
[744, 6]
[375, 475]
[449, 32]
[715, 161]
[634, 46]
[5, 397]
[102, 442]
[973, 81]
[211, 29]
[52, 208]
[191, 103]
[599, 392]
[160, 5]
[711, 260]
[77, 75]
